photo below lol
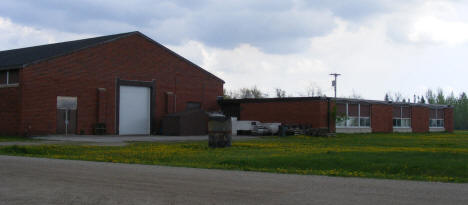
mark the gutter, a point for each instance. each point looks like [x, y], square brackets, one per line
[19, 66]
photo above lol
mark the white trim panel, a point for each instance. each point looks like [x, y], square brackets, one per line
[354, 130]
[436, 129]
[402, 129]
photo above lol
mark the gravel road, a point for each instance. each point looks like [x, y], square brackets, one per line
[26, 180]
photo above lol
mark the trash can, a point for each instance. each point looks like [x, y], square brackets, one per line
[100, 128]
[219, 131]
[282, 130]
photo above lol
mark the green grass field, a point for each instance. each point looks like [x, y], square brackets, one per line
[15, 139]
[429, 157]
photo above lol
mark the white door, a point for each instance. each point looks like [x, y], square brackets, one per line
[134, 113]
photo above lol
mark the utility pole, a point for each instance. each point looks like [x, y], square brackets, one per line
[334, 81]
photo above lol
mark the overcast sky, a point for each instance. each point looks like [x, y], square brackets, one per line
[378, 46]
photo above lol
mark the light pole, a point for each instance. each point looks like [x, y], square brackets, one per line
[334, 81]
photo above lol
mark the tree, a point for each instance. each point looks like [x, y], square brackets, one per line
[253, 92]
[257, 93]
[398, 97]
[228, 94]
[245, 93]
[460, 111]
[463, 96]
[387, 98]
[319, 92]
[422, 101]
[440, 99]
[355, 95]
[451, 99]
[430, 96]
[280, 93]
[312, 91]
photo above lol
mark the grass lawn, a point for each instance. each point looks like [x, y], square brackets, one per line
[429, 157]
[15, 139]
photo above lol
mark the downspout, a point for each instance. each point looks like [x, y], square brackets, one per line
[175, 94]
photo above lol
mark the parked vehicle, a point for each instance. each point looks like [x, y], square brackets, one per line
[261, 130]
[250, 127]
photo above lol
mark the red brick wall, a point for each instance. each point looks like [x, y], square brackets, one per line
[315, 113]
[10, 98]
[381, 118]
[101, 106]
[420, 119]
[81, 73]
[332, 117]
[312, 113]
[448, 119]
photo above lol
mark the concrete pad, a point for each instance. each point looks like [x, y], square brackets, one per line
[118, 140]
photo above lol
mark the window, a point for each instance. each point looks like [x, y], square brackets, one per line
[365, 122]
[352, 115]
[436, 118]
[341, 114]
[13, 76]
[193, 105]
[67, 103]
[401, 117]
[3, 77]
[9, 77]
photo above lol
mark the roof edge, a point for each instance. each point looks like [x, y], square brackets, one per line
[19, 66]
[258, 100]
[123, 35]
[291, 99]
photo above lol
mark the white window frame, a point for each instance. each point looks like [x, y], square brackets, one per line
[401, 118]
[347, 119]
[436, 119]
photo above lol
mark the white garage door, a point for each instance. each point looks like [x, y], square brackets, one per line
[134, 113]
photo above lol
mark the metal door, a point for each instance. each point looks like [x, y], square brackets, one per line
[134, 113]
[66, 114]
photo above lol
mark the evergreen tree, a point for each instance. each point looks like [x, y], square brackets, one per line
[460, 112]
[440, 99]
[451, 99]
[430, 96]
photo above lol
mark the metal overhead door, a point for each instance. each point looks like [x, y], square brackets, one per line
[134, 110]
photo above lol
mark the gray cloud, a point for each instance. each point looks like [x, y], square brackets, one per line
[273, 26]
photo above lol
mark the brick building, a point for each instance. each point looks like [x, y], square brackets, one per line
[343, 115]
[126, 82]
